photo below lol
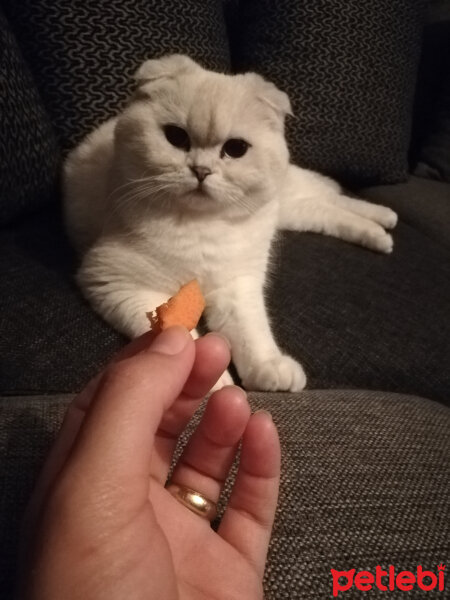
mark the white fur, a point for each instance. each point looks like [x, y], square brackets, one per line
[135, 211]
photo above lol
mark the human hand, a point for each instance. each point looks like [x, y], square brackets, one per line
[106, 525]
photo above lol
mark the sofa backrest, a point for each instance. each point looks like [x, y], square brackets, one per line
[349, 67]
[29, 153]
[81, 57]
[430, 148]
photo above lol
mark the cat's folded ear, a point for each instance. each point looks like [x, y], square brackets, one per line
[169, 66]
[268, 93]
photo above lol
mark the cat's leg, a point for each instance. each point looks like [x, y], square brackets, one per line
[321, 216]
[120, 286]
[312, 202]
[124, 305]
[302, 183]
[237, 310]
[382, 215]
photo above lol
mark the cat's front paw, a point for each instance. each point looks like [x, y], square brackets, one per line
[387, 218]
[280, 374]
[378, 240]
[382, 215]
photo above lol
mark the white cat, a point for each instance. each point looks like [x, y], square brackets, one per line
[192, 180]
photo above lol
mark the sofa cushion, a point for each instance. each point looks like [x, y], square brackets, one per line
[353, 317]
[349, 68]
[364, 482]
[359, 319]
[82, 55]
[29, 155]
[50, 338]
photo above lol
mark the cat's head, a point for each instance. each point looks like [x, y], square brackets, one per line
[207, 141]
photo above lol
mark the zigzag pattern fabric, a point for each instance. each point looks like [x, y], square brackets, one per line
[28, 150]
[83, 54]
[349, 68]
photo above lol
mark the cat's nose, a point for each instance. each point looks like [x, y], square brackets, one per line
[201, 172]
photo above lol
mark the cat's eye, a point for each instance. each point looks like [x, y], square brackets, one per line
[235, 148]
[177, 136]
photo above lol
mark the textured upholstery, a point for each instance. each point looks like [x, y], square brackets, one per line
[365, 475]
[29, 155]
[360, 319]
[50, 339]
[365, 480]
[355, 318]
[83, 55]
[349, 68]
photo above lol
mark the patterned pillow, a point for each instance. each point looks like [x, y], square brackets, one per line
[349, 68]
[83, 54]
[28, 151]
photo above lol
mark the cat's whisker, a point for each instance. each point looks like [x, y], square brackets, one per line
[141, 192]
[142, 182]
[130, 182]
[238, 199]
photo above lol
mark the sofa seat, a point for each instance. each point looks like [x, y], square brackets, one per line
[355, 318]
[364, 482]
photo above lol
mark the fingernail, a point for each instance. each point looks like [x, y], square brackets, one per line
[264, 412]
[220, 335]
[171, 341]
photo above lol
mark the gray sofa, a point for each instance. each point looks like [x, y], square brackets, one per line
[366, 448]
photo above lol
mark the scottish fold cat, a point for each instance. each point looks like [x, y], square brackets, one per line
[192, 180]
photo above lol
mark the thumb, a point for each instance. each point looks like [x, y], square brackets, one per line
[113, 450]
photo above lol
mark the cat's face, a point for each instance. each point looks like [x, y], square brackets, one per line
[206, 141]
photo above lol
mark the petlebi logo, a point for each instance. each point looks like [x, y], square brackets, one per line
[389, 580]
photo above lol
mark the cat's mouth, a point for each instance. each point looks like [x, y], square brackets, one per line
[200, 190]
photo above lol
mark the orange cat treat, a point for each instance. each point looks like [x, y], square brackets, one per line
[185, 308]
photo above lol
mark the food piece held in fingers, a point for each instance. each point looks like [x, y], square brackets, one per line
[185, 308]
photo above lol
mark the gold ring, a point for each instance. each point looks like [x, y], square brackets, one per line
[194, 501]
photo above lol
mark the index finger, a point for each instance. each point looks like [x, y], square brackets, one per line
[72, 422]
[115, 444]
